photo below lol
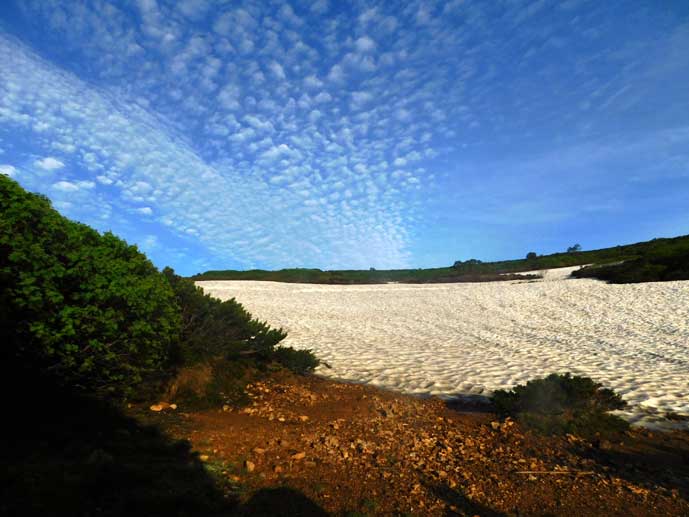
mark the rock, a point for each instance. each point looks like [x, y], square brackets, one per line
[298, 456]
[250, 466]
[173, 406]
[331, 441]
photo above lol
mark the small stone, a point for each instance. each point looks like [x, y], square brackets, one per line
[331, 441]
[299, 456]
[249, 466]
[156, 407]
[173, 406]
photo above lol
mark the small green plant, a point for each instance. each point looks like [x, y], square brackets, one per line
[297, 361]
[562, 403]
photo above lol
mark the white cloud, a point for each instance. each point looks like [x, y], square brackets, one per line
[149, 242]
[313, 82]
[49, 163]
[336, 74]
[8, 170]
[361, 98]
[365, 44]
[66, 186]
[277, 69]
[194, 9]
[146, 210]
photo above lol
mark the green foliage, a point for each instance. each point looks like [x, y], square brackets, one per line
[661, 264]
[560, 404]
[468, 271]
[574, 249]
[298, 361]
[87, 308]
[212, 328]
[531, 255]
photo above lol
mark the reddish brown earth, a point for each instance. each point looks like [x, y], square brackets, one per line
[355, 450]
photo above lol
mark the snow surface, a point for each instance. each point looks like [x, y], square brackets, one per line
[472, 338]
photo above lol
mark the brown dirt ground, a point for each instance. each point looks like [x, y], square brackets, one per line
[356, 450]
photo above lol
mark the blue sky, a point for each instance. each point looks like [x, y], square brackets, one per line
[351, 135]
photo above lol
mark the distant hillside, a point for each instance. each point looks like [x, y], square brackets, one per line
[477, 271]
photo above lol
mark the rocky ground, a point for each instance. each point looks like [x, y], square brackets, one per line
[327, 448]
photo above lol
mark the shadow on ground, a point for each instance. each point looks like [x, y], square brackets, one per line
[455, 498]
[66, 454]
[661, 459]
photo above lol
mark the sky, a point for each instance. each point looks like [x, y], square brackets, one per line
[332, 134]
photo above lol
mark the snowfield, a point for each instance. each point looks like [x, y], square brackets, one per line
[470, 339]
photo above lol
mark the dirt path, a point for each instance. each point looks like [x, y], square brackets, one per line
[356, 450]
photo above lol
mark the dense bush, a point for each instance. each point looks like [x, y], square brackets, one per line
[222, 348]
[560, 404]
[86, 308]
[94, 313]
[664, 265]
[211, 327]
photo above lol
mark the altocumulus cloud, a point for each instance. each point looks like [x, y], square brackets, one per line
[234, 215]
[276, 134]
[49, 163]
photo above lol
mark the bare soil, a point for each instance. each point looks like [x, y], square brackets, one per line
[311, 446]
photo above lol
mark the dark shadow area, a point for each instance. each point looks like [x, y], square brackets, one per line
[68, 454]
[281, 502]
[64, 453]
[661, 459]
[470, 404]
[455, 497]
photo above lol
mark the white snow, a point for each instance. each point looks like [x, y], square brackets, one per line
[473, 338]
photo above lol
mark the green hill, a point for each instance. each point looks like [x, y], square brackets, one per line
[672, 252]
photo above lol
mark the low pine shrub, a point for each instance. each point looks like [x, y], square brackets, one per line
[87, 309]
[562, 403]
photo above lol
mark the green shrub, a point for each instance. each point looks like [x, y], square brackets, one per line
[212, 328]
[88, 309]
[665, 264]
[93, 312]
[298, 361]
[560, 404]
